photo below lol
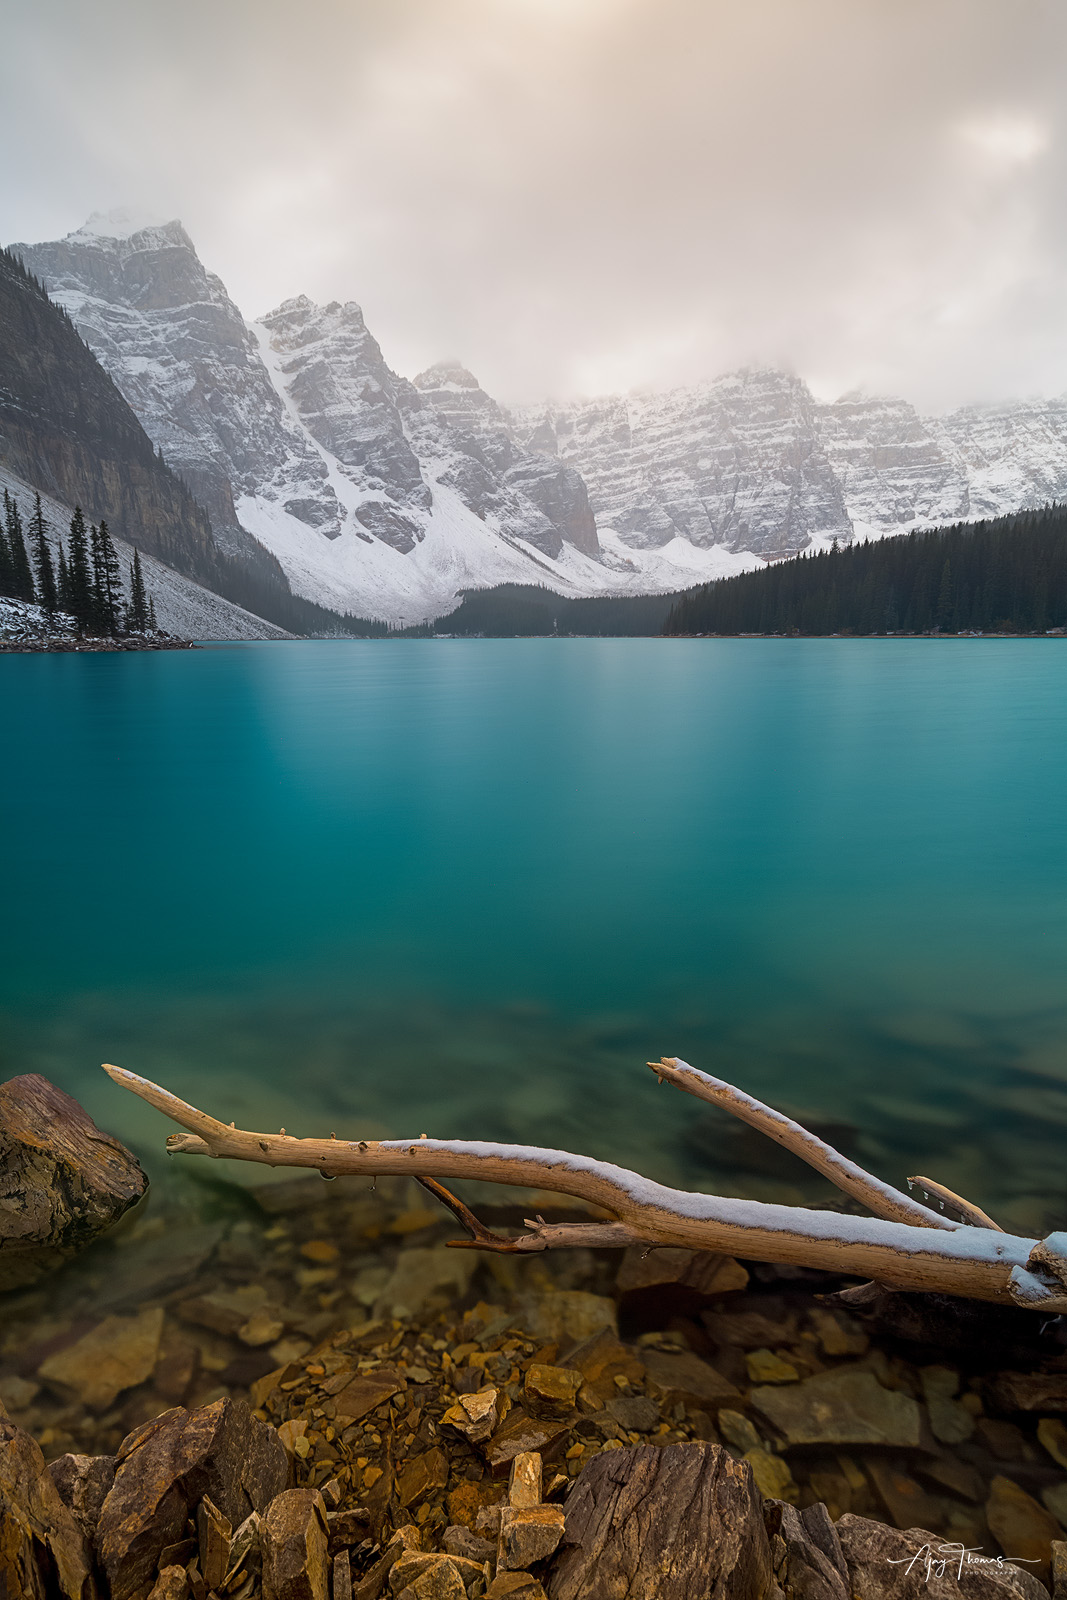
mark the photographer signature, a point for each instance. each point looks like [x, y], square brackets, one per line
[937, 1560]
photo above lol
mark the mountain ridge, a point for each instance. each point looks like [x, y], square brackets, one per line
[388, 497]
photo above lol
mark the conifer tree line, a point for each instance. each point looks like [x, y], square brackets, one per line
[84, 584]
[1005, 575]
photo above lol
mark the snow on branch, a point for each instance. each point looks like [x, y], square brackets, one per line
[905, 1247]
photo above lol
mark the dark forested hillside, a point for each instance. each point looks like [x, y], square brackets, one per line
[519, 610]
[1008, 575]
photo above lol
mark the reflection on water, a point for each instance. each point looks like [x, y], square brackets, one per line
[468, 888]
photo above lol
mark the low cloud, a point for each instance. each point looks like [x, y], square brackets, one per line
[587, 195]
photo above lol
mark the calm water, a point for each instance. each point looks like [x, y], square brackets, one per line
[468, 887]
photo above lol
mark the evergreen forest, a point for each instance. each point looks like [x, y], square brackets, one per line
[1005, 575]
[82, 585]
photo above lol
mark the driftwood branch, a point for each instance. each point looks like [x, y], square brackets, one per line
[934, 1253]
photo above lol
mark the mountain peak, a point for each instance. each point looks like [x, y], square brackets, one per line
[125, 222]
[445, 375]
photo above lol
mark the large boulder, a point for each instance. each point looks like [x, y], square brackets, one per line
[62, 1181]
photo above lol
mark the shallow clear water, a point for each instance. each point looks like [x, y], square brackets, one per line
[469, 887]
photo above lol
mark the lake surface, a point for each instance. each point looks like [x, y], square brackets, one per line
[469, 887]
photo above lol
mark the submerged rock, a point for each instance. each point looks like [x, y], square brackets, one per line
[115, 1355]
[62, 1181]
[842, 1407]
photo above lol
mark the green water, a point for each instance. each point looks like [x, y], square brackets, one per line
[469, 887]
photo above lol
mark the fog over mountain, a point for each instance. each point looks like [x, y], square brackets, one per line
[581, 197]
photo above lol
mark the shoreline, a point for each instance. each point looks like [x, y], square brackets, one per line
[61, 645]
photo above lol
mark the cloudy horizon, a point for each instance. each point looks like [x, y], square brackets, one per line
[587, 196]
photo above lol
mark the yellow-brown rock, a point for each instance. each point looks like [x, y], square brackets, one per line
[1021, 1525]
[43, 1553]
[551, 1391]
[295, 1565]
[528, 1534]
[115, 1355]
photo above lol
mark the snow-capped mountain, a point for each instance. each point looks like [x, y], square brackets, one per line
[736, 463]
[751, 461]
[378, 496]
[386, 497]
[178, 349]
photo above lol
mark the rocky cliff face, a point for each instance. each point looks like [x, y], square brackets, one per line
[738, 462]
[1013, 456]
[178, 348]
[330, 372]
[387, 498]
[540, 498]
[752, 462]
[892, 467]
[301, 440]
[66, 429]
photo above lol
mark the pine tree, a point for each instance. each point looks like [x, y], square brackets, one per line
[945, 601]
[7, 570]
[22, 572]
[79, 576]
[137, 611]
[63, 581]
[151, 615]
[107, 584]
[46, 575]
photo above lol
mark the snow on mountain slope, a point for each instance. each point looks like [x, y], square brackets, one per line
[737, 462]
[183, 608]
[481, 511]
[1013, 455]
[753, 461]
[178, 349]
[539, 498]
[893, 468]
[378, 496]
[385, 497]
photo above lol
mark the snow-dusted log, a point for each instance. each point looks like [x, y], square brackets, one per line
[976, 1262]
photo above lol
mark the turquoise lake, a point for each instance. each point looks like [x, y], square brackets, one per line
[469, 887]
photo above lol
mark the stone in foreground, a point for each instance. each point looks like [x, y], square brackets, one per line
[295, 1542]
[527, 1534]
[904, 1564]
[62, 1181]
[657, 1524]
[165, 1469]
[43, 1552]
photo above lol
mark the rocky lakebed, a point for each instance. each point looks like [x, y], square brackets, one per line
[298, 1391]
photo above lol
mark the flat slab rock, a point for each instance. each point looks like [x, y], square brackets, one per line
[839, 1408]
[62, 1181]
[658, 1524]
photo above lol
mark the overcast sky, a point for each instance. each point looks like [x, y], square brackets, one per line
[581, 196]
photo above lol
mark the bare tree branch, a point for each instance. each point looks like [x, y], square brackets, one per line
[980, 1263]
